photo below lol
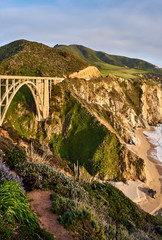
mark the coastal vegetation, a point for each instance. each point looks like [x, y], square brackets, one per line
[88, 210]
[17, 221]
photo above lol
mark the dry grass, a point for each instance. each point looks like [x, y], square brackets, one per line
[34, 156]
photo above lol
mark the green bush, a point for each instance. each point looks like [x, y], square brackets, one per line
[9, 232]
[26, 233]
[17, 221]
[14, 205]
[14, 157]
[73, 217]
[77, 218]
[62, 204]
[5, 232]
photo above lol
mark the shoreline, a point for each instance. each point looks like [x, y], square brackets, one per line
[153, 170]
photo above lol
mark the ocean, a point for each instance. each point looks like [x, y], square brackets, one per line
[155, 137]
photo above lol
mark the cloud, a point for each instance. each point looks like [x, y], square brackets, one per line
[130, 28]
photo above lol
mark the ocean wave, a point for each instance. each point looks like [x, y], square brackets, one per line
[155, 137]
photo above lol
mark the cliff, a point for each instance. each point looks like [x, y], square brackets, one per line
[121, 105]
[91, 122]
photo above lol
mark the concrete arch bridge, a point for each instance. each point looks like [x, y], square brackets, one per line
[40, 88]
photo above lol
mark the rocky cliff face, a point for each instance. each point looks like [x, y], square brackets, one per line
[121, 105]
[152, 104]
[118, 104]
[127, 104]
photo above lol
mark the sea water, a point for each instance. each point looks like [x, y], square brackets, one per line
[155, 137]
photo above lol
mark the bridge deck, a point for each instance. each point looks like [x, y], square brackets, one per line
[30, 77]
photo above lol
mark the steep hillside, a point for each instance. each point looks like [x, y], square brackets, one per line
[119, 65]
[34, 59]
[76, 136]
[90, 122]
[88, 210]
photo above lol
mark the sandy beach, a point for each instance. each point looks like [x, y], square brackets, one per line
[138, 191]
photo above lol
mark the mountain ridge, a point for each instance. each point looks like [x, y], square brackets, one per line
[24, 57]
[92, 56]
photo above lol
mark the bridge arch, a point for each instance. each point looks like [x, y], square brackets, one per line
[35, 93]
[40, 88]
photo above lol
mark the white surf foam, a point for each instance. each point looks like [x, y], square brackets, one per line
[155, 137]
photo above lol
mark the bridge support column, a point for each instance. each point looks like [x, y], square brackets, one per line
[0, 103]
[46, 99]
[39, 97]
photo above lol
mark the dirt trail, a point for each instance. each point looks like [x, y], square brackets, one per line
[41, 204]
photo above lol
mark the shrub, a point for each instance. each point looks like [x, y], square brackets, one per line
[9, 232]
[36, 175]
[73, 217]
[14, 157]
[14, 205]
[62, 204]
[5, 231]
[76, 217]
[25, 233]
[43, 176]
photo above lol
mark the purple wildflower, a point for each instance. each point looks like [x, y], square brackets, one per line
[6, 174]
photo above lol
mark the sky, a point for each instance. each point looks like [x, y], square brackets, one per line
[131, 28]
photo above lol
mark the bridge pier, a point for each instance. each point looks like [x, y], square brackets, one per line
[46, 99]
[40, 88]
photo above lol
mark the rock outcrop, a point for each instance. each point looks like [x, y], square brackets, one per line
[121, 105]
[87, 73]
[152, 104]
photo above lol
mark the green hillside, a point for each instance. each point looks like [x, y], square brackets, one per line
[35, 59]
[106, 63]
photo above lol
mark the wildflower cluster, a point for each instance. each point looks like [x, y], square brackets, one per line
[6, 174]
[44, 176]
